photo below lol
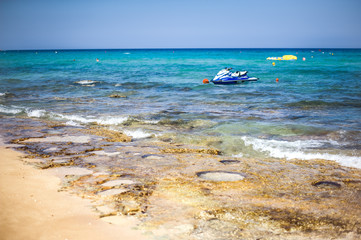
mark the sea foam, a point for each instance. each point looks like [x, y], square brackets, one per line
[10, 110]
[75, 119]
[297, 150]
[137, 134]
[37, 113]
[86, 82]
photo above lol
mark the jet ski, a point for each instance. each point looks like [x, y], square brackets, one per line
[225, 76]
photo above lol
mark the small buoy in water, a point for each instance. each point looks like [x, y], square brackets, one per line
[304, 59]
[277, 79]
[273, 63]
[97, 60]
[205, 81]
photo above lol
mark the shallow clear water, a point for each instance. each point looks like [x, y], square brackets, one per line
[314, 110]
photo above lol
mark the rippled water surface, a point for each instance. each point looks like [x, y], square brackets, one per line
[312, 112]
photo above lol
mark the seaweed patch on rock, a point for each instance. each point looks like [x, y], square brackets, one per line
[191, 150]
[110, 135]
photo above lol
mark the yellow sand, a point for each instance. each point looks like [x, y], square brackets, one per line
[32, 208]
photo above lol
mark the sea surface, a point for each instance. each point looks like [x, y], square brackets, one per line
[312, 112]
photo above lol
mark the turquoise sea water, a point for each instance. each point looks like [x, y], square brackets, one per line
[312, 112]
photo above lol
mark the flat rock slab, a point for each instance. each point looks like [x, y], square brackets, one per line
[118, 182]
[220, 176]
[63, 171]
[74, 139]
[104, 153]
[111, 192]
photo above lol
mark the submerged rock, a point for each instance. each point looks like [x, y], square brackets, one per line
[64, 171]
[115, 95]
[220, 176]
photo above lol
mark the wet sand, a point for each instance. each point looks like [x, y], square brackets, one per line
[166, 190]
[33, 208]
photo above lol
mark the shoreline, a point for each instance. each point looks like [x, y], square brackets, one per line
[33, 207]
[171, 191]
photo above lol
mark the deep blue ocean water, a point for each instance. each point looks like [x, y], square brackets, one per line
[312, 112]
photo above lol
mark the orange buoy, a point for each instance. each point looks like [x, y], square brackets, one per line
[205, 81]
[273, 63]
[277, 79]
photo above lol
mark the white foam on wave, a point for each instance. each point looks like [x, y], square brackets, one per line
[86, 82]
[296, 150]
[72, 120]
[137, 134]
[112, 120]
[36, 113]
[75, 120]
[4, 94]
[10, 110]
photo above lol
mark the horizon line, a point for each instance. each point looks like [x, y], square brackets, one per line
[176, 48]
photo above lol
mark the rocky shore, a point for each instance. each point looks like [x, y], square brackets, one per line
[177, 191]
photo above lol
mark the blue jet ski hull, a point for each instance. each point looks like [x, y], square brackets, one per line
[235, 80]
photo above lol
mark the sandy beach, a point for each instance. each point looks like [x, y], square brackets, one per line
[33, 208]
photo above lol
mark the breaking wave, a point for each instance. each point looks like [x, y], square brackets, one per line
[10, 110]
[138, 134]
[301, 149]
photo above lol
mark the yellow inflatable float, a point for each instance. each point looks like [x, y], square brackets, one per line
[285, 57]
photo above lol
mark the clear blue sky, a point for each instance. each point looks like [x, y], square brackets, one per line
[73, 24]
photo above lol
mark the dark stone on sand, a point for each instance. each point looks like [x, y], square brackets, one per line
[326, 184]
[220, 176]
[229, 161]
